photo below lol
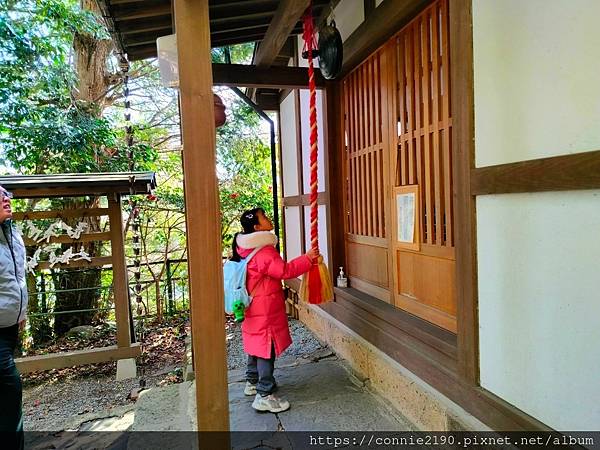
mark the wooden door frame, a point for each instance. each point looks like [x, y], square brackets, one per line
[463, 156]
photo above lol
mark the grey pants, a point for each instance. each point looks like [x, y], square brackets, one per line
[260, 372]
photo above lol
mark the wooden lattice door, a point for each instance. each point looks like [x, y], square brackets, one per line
[424, 275]
[398, 139]
[367, 161]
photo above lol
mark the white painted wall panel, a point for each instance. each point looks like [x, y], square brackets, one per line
[305, 116]
[539, 304]
[323, 243]
[289, 145]
[349, 14]
[536, 67]
[301, 61]
[293, 241]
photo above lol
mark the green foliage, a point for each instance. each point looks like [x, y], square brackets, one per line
[243, 168]
[240, 54]
[43, 129]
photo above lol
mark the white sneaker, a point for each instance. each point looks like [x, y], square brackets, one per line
[270, 403]
[250, 389]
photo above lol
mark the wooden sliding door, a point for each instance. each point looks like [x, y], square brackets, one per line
[367, 156]
[424, 274]
[398, 142]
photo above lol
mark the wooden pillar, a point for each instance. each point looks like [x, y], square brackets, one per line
[463, 157]
[120, 279]
[335, 183]
[202, 217]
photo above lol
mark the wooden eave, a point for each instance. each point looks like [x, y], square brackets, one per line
[136, 24]
[75, 185]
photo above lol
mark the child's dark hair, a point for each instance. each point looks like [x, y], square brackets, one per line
[248, 220]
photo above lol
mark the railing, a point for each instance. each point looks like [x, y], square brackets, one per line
[173, 290]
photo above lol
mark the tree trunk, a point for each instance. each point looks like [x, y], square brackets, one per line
[90, 59]
[159, 303]
[40, 329]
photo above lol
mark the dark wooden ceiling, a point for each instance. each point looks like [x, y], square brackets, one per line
[138, 23]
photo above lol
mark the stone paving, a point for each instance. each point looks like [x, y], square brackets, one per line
[324, 396]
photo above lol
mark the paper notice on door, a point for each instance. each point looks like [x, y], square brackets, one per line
[405, 207]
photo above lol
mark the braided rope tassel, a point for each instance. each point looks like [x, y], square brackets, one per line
[314, 149]
[316, 284]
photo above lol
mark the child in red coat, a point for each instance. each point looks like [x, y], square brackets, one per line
[265, 329]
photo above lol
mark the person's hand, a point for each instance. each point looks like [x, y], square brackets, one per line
[313, 254]
[22, 325]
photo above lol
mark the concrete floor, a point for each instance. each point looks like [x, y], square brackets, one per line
[324, 396]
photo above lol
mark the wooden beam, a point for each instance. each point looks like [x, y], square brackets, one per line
[240, 25]
[120, 275]
[98, 261]
[124, 2]
[304, 200]
[241, 75]
[335, 176]
[202, 219]
[254, 34]
[557, 173]
[135, 12]
[288, 13]
[228, 17]
[76, 358]
[65, 239]
[369, 7]
[65, 213]
[388, 18]
[145, 38]
[268, 102]
[463, 156]
[144, 25]
[230, 11]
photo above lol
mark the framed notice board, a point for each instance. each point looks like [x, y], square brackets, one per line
[406, 217]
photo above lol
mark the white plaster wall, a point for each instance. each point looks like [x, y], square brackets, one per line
[289, 126]
[322, 231]
[536, 72]
[536, 66]
[292, 232]
[539, 304]
[349, 14]
[305, 121]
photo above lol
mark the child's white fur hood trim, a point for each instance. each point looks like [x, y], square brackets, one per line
[256, 239]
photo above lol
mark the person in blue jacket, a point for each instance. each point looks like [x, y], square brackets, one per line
[13, 310]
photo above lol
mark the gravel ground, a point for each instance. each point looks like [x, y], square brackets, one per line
[303, 343]
[51, 405]
[48, 406]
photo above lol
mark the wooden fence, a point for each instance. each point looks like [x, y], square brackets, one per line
[124, 348]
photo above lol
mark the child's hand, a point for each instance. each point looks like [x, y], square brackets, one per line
[313, 254]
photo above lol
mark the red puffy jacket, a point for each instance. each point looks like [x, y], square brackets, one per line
[265, 319]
